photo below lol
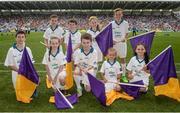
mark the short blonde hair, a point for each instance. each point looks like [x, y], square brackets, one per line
[112, 50]
[117, 9]
[92, 17]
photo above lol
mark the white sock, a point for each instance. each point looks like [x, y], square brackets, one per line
[123, 68]
[77, 79]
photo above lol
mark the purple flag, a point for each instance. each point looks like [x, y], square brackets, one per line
[98, 89]
[69, 50]
[162, 67]
[163, 70]
[132, 90]
[27, 69]
[104, 39]
[146, 39]
[61, 103]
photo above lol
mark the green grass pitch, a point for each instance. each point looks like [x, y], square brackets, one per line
[87, 102]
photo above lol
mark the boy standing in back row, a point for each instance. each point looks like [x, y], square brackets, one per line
[120, 36]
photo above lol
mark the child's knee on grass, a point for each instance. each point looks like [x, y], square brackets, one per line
[143, 89]
[118, 88]
[87, 88]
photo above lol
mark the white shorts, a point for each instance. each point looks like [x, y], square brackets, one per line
[121, 49]
[84, 77]
[109, 86]
[14, 77]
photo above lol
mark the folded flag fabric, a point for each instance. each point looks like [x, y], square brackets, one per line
[133, 90]
[104, 39]
[61, 103]
[163, 71]
[48, 83]
[69, 65]
[105, 98]
[145, 39]
[27, 79]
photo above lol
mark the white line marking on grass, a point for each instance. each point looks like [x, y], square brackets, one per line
[8, 71]
[33, 63]
[42, 64]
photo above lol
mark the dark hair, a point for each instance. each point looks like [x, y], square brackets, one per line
[146, 57]
[20, 32]
[86, 36]
[72, 21]
[53, 16]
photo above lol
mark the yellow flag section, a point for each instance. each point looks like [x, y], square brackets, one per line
[171, 89]
[113, 95]
[48, 83]
[24, 89]
[27, 79]
[69, 77]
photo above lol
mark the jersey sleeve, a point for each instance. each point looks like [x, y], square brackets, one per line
[76, 57]
[129, 66]
[45, 59]
[79, 38]
[119, 69]
[45, 36]
[93, 61]
[9, 58]
[63, 59]
[127, 28]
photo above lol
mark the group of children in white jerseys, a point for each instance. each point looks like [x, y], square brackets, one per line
[86, 55]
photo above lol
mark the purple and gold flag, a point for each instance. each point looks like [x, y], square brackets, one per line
[133, 90]
[145, 39]
[104, 39]
[105, 98]
[27, 79]
[163, 71]
[69, 77]
[61, 103]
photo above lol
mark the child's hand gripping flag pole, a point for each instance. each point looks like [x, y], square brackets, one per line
[63, 96]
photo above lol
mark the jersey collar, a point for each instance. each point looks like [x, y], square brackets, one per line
[90, 51]
[54, 28]
[120, 21]
[111, 63]
[15, 47]
[139, 60]
[74, 32]
[56, 53]
[93, 30]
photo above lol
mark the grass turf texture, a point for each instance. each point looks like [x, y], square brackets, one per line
[87, 102]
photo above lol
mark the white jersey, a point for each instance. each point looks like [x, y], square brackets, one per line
[13, 58]
[57, 32]
[86, 60]
[136, 65]
[54, 62]
[75, 38]
[119, 30]
[93, 33]
[94, 44]
[111, 70]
